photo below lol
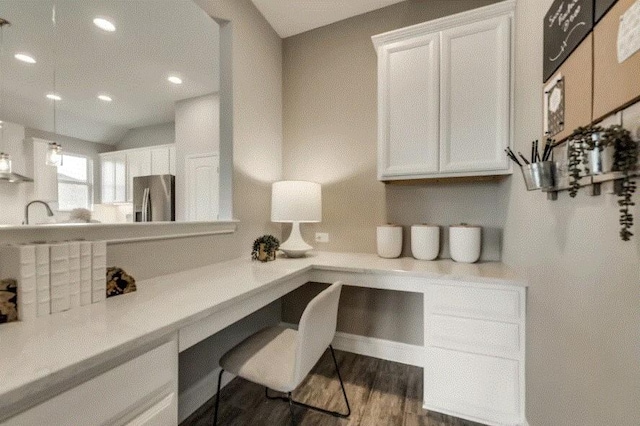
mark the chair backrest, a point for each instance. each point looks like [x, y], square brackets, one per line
[317, 329]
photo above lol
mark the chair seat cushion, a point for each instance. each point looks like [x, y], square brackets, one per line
[266, 358]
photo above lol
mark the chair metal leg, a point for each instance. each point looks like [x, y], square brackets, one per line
[311, 407]
[293, 418]
[215, 413]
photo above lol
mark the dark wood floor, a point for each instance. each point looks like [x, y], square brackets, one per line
[380, 393]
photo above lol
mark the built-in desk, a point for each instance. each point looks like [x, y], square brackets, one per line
[473, 352]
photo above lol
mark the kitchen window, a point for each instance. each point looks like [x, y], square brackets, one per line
[75, 182]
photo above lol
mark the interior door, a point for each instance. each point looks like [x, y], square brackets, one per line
[202, 182]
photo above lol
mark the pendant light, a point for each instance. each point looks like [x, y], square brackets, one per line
[5, 159]
[54, 154]
[54, 150]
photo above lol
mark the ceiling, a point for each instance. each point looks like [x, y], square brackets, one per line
[291, 17]
[153, 39]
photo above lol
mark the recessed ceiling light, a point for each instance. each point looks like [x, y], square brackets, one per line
[105, 98]
[175, 79]
[24, 58]
[54, 97]
[104, 24]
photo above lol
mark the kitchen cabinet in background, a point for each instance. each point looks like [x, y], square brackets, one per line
[114, 177]
[120, 167]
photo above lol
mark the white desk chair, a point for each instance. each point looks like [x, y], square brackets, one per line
[280, 358]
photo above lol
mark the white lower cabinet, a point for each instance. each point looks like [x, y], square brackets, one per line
[142, 391]
[474, 360]
[478, 387]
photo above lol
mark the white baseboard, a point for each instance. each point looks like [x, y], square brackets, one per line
[389, 350]
[194, 397]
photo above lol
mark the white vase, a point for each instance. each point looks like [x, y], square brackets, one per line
[425, 241]
[389, 241]
[465, 242]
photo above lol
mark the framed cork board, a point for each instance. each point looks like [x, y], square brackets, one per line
[616, 82]
[576, 75]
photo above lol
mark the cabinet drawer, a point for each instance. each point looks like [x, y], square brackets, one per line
[146, 384]
[484, 388]
[473, 335]
[474, 302]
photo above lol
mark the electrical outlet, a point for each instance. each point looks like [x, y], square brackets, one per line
[322, 237]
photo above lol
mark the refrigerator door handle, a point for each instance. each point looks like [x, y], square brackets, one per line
[145, 205]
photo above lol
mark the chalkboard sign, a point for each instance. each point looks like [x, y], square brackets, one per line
[602, 7]
[566, 24]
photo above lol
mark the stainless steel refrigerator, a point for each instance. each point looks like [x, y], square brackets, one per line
[154, 198]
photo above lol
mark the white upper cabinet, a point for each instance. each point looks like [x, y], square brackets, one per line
[445, 96]
[409, 109]
[114, 177]
[138, 164]
[160, 161]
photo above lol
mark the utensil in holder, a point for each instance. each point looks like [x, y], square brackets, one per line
[539, 175]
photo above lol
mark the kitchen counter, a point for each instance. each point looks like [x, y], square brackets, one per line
[56, 349]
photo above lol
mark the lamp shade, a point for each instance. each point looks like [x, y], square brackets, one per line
[296, 201]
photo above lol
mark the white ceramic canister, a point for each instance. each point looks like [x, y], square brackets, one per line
[465, 242]
[389, 241]
[425, 241]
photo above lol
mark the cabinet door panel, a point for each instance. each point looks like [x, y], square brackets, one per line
[160, 161]
[408, 107]
[113, 177]
[138, 164]
[107, 167]
[482, 387]
[172, 160]
[475, 96]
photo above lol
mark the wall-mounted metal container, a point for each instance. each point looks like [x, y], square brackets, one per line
[599, 160]
[539, 175]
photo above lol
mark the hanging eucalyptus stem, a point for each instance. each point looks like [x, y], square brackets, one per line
[580, 141]
[625, 160]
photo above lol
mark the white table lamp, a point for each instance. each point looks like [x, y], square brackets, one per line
[295, 202]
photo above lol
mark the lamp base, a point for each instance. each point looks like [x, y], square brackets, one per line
[295, 246]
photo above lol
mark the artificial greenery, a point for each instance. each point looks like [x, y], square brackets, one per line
[581, 141]
[271, 244]
[625, 160]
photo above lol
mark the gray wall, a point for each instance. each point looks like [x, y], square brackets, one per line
[583, 340]
[330, 136]
[140, 137]
[583, 335]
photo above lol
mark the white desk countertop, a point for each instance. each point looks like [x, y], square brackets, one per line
[39, 354]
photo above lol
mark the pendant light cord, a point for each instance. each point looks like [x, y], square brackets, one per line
[2, 124]
[55, 66]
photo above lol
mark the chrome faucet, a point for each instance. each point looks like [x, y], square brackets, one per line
[26, 210]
